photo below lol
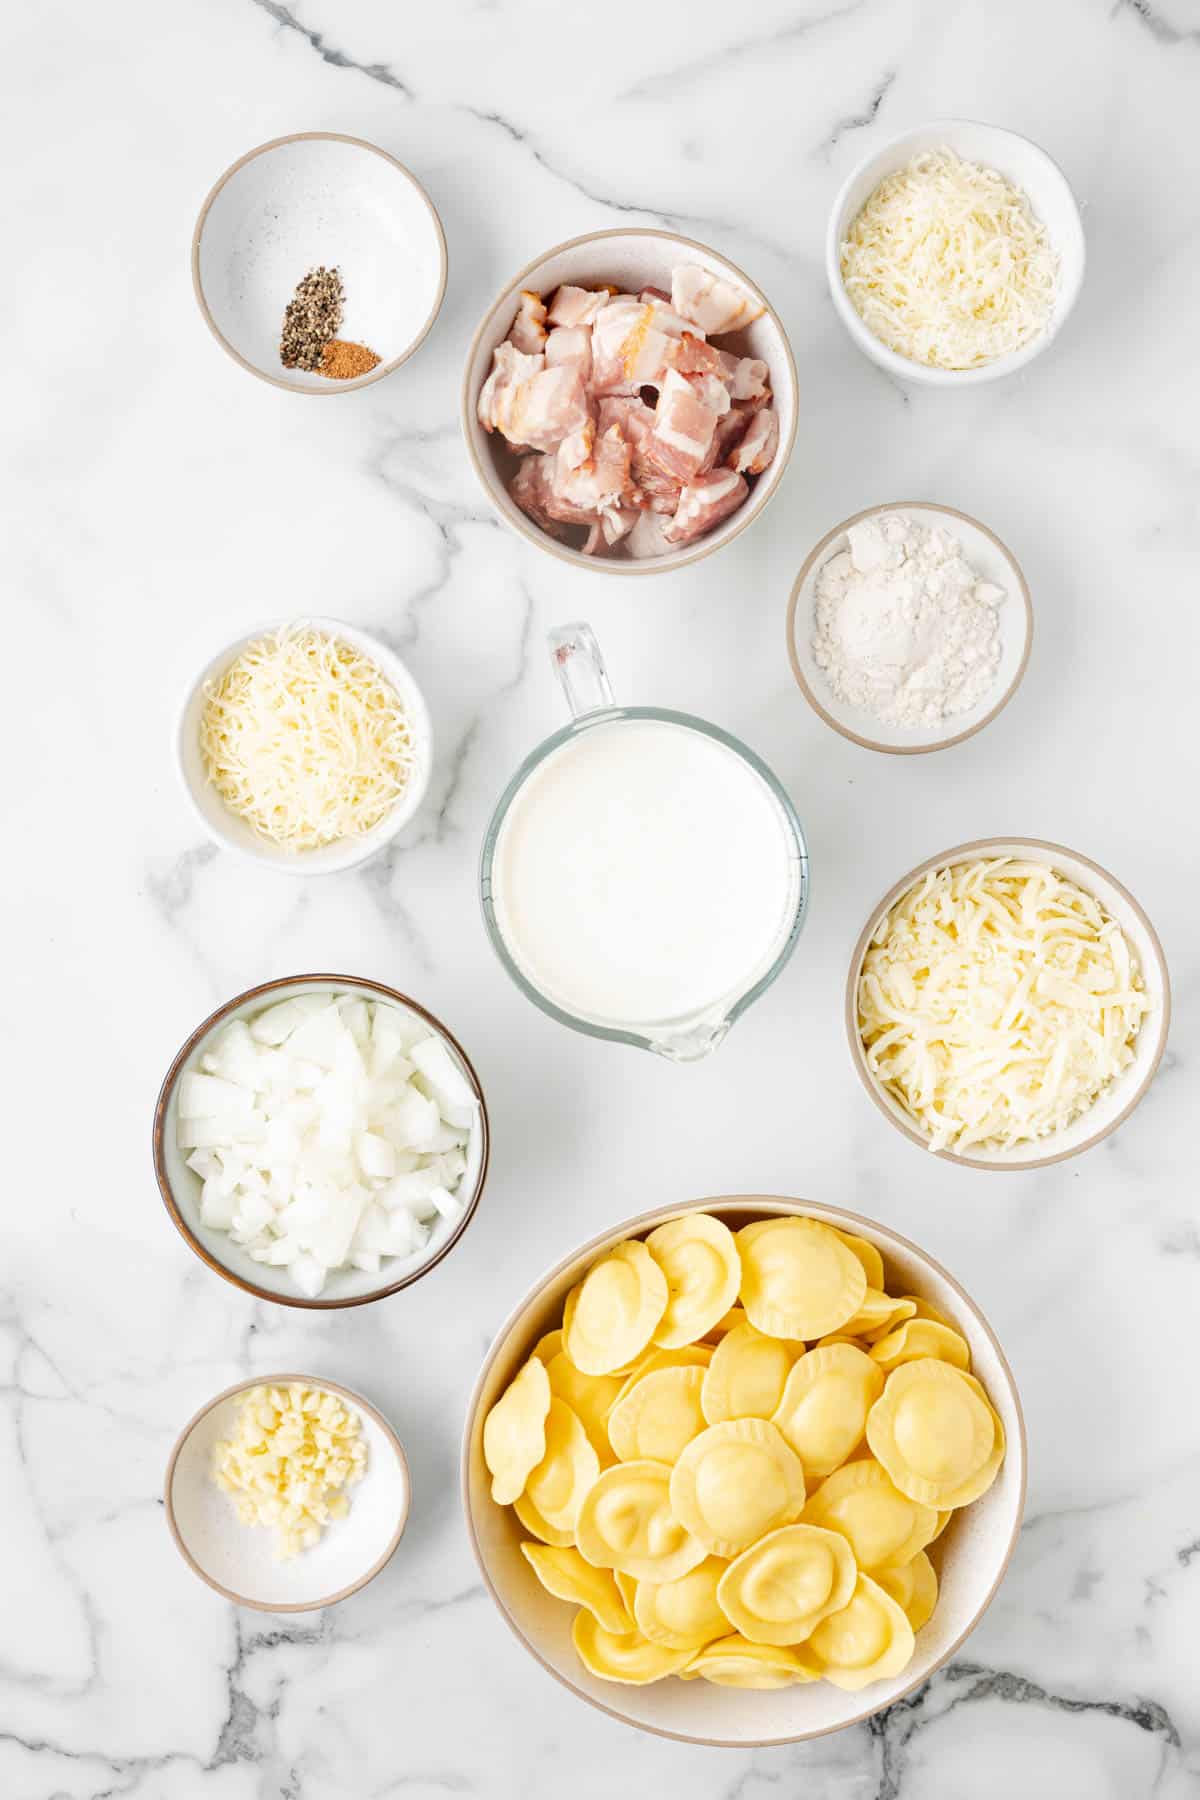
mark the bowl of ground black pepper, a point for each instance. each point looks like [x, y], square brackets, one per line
[319, 262]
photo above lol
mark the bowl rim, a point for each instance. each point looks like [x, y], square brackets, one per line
[332, 387]
[174, 1211]
[643, 1222]
[959, 853]
[805, 686]
[353, 851]
[240, 1387]
[905, 368]
[627, 565]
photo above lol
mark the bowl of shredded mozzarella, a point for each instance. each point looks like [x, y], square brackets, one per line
[305, 745]
[321, 1141]
[954, 253]
[1007, 1004]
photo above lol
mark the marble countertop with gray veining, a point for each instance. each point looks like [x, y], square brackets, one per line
[158, 501]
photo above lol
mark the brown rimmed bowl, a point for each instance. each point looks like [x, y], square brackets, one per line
[237, 1560]
[631, 259]
[1118, 1100]
[991, 559]
[318, 198]
[180, 1186]
[971, 1556]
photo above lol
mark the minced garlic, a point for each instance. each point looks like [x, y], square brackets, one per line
[293, 1453]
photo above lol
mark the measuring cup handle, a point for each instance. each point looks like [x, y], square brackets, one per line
[580, 668]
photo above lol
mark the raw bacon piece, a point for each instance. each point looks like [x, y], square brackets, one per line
[510, 367]
[731, 429]
[535, 407]
[657, 487]
[745, 376]
[648, 537]
[709, 302]
[757, 449]
[593, 473]
[530, 488]
[704, 503]
[610, 529]
[683, 427]
[528, 332]
[628, 350]
[570, 344]
[578, 306]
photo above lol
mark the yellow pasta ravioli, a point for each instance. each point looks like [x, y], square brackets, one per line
[611, 1316]
[735, 1662]
[746, 1376]
[799, 1280]
[916, 1338]
[659, 1416]
[870, 1639]
[627, 1657]
[566, 1575]
[699, 1258]
[913, 1586]
[514, 1432]
[684, 1614]
[590, 1398]
[734, 1482]
[936, 1433]
[823, 1409]
[567, 1471]
[881, 1524]
[779, 1590]
[627, 1522]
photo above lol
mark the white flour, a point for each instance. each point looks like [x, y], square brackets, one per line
[903, 626]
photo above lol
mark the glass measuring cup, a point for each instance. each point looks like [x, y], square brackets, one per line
[682, 1037]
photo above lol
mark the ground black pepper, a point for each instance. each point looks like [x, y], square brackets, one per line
[313, 317]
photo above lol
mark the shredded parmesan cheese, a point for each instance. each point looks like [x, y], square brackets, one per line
[293, 1453]
[996, 1001]
[305, 739]
[948, 264]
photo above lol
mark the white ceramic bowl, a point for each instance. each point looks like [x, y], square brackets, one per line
[1118, 1100]
[991, 559]
[232, 833]
[237, 1559]
[971, 1556]
[1022, 162]
[180, 1186]
[630, 259]
[318, 198]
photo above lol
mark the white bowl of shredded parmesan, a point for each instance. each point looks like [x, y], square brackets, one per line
[305, 745]
[954, 253]
[1007, 1004]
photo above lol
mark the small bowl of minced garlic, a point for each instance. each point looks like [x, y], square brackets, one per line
[305, 745]
[286, 1493]
[909, 627]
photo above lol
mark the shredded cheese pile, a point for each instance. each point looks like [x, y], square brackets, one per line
[293, 1453]
[305, 739]
[996, 1001]
[948, 264]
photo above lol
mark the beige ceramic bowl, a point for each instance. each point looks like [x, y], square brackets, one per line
[971, 1556]
[989, 558]
[1116, 1103]
[180, 1186]
[631, 259]
[237, 1560]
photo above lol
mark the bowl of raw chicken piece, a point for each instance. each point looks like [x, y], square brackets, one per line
[629, 401]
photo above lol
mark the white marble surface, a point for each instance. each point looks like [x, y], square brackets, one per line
[157, 499]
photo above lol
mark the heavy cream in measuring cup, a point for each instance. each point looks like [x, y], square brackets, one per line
[644, 873]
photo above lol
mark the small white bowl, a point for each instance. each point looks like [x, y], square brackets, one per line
[180, 1186]
[237, 1559]
[991, 559]
[1118, 1100]
[1023, 163]
[971, 1557]
[631, 259]
[229, 832]
[311, 199]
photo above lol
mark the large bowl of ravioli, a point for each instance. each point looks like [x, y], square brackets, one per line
[708, 1671]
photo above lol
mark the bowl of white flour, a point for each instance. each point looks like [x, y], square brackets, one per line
[909, 627]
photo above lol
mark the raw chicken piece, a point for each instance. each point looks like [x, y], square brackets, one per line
[709, 302]
[532, 405]
[683, 427]
[578, 306]
[628, 349]
[510, 367]
[658, 488]
[704, 503]
[757, 449]
[648, 537]
[528, 331]
[593, 473]
[570, 344]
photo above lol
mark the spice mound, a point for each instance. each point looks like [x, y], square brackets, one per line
[292, 1455]
[305, 738]
[903, 626]
[311, 324]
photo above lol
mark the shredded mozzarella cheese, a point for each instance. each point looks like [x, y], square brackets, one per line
[996, 1001]
[293, 1453]
[305, 739]
[948, 264]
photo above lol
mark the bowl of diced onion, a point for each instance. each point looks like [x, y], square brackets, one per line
[954, 253]
[1007, 1004]
[305, 745]
[321, 1141]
